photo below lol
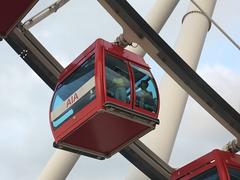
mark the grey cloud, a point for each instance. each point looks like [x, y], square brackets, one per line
[25, 134]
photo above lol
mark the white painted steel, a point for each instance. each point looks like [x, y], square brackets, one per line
[59, 166]
[173, 97]
[218, 27]
[44, 13]
[156, 18]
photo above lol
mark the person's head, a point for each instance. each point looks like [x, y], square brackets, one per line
[118, 71]
[144, 84]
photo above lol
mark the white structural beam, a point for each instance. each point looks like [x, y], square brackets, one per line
[44, 13]
[173, 98]
[59, 165]
[156, 18]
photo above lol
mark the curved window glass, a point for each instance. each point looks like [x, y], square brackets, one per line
[75, 92]
[117, 79]
[234, 173]
[145, 88]
[210, 174]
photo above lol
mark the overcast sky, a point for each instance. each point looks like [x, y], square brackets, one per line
[26, 139]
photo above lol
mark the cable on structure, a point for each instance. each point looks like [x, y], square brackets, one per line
[217, 26]
[199, 12]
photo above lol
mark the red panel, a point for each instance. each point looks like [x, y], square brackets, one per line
[77, 120]
[106, 133]
[11, 12]
[101, 45]
[82, 116]
[123, 53]
[216, 158]
[99, 66]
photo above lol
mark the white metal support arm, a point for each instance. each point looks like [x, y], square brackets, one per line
[44, 13]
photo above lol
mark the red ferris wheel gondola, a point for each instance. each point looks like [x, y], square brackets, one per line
[216, 165]
[104, 100]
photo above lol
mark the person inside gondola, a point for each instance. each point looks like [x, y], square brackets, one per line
[144, 97]
[119, 83]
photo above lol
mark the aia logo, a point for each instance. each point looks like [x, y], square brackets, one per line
[72, 99]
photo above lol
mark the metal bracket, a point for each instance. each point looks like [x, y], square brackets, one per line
[44, 13]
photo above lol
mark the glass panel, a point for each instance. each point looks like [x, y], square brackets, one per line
[146, 91]
[117, 79]
[210, 174]
[75, 92]
[234, 173]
